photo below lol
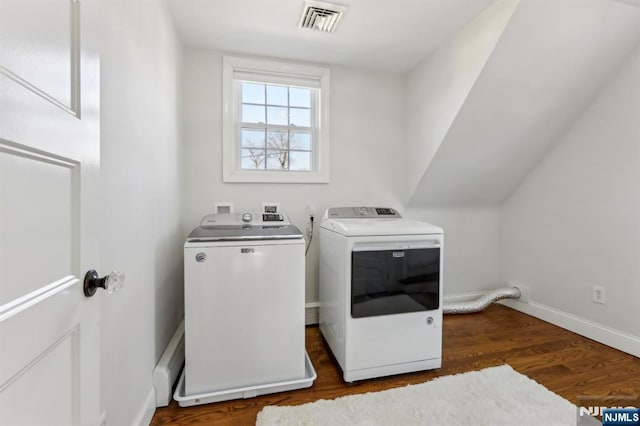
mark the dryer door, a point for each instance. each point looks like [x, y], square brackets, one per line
[388, 279]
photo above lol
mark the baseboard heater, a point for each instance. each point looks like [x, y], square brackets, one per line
[166, 372]
[311, 313]
[168, 368]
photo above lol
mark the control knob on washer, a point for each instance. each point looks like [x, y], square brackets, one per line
[246, 217]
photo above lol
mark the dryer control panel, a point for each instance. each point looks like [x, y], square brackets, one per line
[362, 213]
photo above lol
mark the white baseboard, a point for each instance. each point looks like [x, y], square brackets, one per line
[147, 410]
[600, 333]
[311, 313]
[168, 368]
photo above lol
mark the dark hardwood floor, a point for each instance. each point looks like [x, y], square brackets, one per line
[566, 363]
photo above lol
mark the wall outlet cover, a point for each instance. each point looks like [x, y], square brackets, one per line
[270, 207]
[223, 207]
[311, 211]
[599, 294]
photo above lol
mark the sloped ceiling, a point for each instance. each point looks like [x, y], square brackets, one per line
[438, 87]
[551, 60]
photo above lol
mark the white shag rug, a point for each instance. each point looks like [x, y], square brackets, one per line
[494, 396]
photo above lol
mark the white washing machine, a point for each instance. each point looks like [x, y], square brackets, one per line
[380, 291]
[244, 308]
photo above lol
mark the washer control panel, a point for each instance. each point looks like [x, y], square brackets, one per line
[272, 217]
[247, 218]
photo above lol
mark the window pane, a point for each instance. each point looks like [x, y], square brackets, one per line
[300, 97]
[300, 117]
[300, 141]
[252, 138]
[253, 158]
[277, 140]
[300, 160]
[252, 93]
[277, 160]
[277, 95]
[277, 115]
[252, 114]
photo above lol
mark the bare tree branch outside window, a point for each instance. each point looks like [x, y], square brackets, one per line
[257, 157]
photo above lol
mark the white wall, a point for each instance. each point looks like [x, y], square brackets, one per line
[141, 197]
[551, 60]
[471, 246]
[484, 108]
[436, 90]
[575, 221]
[438, 86]
[367, 150]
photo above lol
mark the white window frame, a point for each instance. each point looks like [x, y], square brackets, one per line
[235, 69]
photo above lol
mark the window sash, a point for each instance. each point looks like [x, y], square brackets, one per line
[240, 125]
[282, 79]
[266, 148]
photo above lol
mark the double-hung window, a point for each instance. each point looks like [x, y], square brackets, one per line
[275, 122]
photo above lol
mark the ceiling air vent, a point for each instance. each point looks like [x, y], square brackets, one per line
[321, 16]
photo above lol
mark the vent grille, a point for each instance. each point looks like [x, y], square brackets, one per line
[321, 16]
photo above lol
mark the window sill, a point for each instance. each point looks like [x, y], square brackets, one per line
[258, 176]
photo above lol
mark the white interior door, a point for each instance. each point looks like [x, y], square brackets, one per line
[49, 165]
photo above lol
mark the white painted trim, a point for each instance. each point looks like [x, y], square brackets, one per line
[283, 71]
[600, 333]
[311, 313]
[48, 291]
[73, 107]
[168, 368]
[147, 410]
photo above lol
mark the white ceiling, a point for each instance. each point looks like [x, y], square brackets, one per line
[388, 35]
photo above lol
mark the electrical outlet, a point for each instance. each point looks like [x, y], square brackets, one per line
[311, 212]
[311, 216]
[223, 207]
[599, 294]
[270, 207]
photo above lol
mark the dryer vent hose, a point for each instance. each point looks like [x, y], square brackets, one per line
[482, 302]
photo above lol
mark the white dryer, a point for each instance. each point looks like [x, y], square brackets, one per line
[380, 291]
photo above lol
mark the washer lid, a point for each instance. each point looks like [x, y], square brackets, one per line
[374, 226]
[244, 233]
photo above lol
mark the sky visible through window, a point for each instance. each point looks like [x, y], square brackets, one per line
[276, 128]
